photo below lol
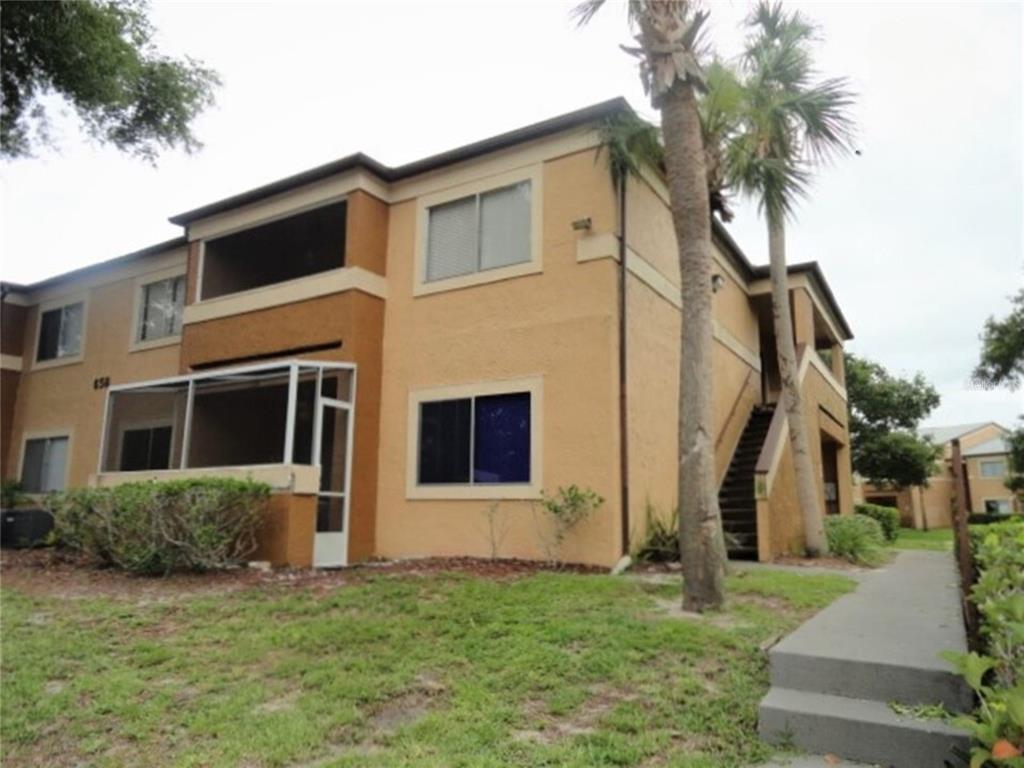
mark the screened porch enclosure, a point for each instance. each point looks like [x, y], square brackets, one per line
[295, 413]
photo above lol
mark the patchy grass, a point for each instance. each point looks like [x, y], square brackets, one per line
[419, 669]
[940, 539]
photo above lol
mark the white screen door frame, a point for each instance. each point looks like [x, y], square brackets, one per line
[330, 548]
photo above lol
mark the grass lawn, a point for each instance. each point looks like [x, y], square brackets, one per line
[938, 539]
[396, 669]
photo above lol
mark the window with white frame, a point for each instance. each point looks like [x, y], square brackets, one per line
[60, 332]
[44, 464]
[161, 306]
[478, 440]
[479, 232]
[997, 507]
[993, 468]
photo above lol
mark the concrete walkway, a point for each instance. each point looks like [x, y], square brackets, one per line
[834, 678]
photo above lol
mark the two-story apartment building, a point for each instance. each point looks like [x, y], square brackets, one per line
[986, 466]
[395, 349]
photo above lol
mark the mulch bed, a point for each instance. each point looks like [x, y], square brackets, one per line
[58, 573]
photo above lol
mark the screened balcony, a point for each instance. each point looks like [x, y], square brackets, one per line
[287, 423]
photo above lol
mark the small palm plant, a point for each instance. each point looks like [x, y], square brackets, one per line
[779, 125]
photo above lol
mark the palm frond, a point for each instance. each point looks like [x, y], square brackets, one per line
[585, 11]
[788, 121]
[823, 112]
[629, 143]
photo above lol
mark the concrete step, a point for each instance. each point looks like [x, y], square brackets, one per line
[904, 683]
[856, 729]
[884, 641]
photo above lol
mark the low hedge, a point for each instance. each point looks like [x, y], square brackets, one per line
[997, 677]
[985, 518]
[999, 594]
[158, 527]
[857, 538]
[887, 517]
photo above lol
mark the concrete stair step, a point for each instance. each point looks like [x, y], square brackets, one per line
[870, 679]
[856, 729]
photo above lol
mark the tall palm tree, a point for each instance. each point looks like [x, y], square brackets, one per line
[787, 123]
[668, 46]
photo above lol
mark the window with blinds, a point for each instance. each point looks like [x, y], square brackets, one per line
[479, 232]
[161, 307]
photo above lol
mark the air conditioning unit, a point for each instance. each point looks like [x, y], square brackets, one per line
[26, 527]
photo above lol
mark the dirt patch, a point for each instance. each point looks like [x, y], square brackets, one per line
[281, 703]
[407, 707]
[547, 728]
[673, 609]
[833, 563]
[56, 573]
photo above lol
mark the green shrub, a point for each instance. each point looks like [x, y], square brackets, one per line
[985, 518]
[566, 509]
[999, 594]
[661, 542]
[997, 725]
[11, 494]
[157, 527]
[857, 538]
[887, 517]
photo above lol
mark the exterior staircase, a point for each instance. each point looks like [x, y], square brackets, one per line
[736, 495]
[836, 679]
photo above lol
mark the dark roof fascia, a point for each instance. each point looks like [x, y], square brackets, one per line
[85, 271]
[532, 132]
[813, 270]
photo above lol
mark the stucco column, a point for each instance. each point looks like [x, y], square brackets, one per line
[803, 317]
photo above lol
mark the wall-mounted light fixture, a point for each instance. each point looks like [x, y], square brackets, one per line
[582, 225]
[717, 283]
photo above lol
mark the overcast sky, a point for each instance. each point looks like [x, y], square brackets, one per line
[921, 237]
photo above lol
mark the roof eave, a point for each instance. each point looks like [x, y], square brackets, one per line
[522, 135]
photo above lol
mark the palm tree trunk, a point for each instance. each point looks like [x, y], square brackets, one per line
[782, 318]
[700, 527]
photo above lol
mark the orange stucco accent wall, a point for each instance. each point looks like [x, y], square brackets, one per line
[286, 537]
[352, 319]
[366, 232]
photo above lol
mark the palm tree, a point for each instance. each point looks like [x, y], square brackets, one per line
[668, 36]
[786, 124]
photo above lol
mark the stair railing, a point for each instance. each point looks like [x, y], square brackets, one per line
[733, 411]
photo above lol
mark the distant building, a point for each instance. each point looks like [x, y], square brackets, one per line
[986, 454]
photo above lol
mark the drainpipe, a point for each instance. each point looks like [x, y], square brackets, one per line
[623, 416]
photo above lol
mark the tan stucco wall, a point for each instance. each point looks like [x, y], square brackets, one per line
[654, 329]
[785, 524]
[559, 324]
[932, 506]
[62, 398]
[983, 488]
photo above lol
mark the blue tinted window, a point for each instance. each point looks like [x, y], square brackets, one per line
[501, 439]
